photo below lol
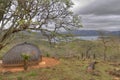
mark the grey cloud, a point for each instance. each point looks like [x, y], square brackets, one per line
[101, 19]
[108, 22]
[101, 14]
[102, 7]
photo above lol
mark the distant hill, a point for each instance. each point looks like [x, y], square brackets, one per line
[74, 32]
[94, 33]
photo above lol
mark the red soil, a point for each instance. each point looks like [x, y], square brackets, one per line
[46, 62]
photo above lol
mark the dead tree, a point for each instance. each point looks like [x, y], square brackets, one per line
[104, 42]
[88, 48]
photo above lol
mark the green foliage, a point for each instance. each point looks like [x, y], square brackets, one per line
[68, 3]
[21, 22]
[47, 55]
[19, 78]
[25, 56]
[32, 74]
[3, 5]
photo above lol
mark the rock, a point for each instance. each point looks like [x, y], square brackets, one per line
[0, 61]
[43, 63]
[116, 78]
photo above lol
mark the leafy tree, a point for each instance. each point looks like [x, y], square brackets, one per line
[50, 17]
[26, 58]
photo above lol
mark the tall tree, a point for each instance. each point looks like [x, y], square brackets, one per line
[50, 17]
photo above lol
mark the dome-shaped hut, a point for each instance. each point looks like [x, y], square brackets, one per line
[13, 56]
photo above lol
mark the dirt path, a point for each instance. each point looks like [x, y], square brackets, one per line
[46, 62]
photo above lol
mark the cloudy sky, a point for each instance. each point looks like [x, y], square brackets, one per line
[98, 14]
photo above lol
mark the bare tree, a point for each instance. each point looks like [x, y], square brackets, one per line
[88, 48]
[104, 40]
[50, 17]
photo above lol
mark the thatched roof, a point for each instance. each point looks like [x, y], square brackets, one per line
[13, 56]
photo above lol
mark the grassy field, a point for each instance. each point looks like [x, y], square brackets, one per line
[68, 69]
[73, 65]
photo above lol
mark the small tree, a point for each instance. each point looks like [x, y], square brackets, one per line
[25, 57]
[104, 42]
[89, 46]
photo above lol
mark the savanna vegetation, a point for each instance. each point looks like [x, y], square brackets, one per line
[74, 57]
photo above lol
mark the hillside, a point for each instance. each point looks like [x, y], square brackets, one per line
[73, 61]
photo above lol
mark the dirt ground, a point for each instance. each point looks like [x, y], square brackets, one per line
[46, 62]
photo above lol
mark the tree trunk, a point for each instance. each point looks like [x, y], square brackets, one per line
[25, 65]
[94, 56]
[82, 55]
[104, 54]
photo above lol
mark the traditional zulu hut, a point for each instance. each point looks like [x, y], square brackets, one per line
[13, 56]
